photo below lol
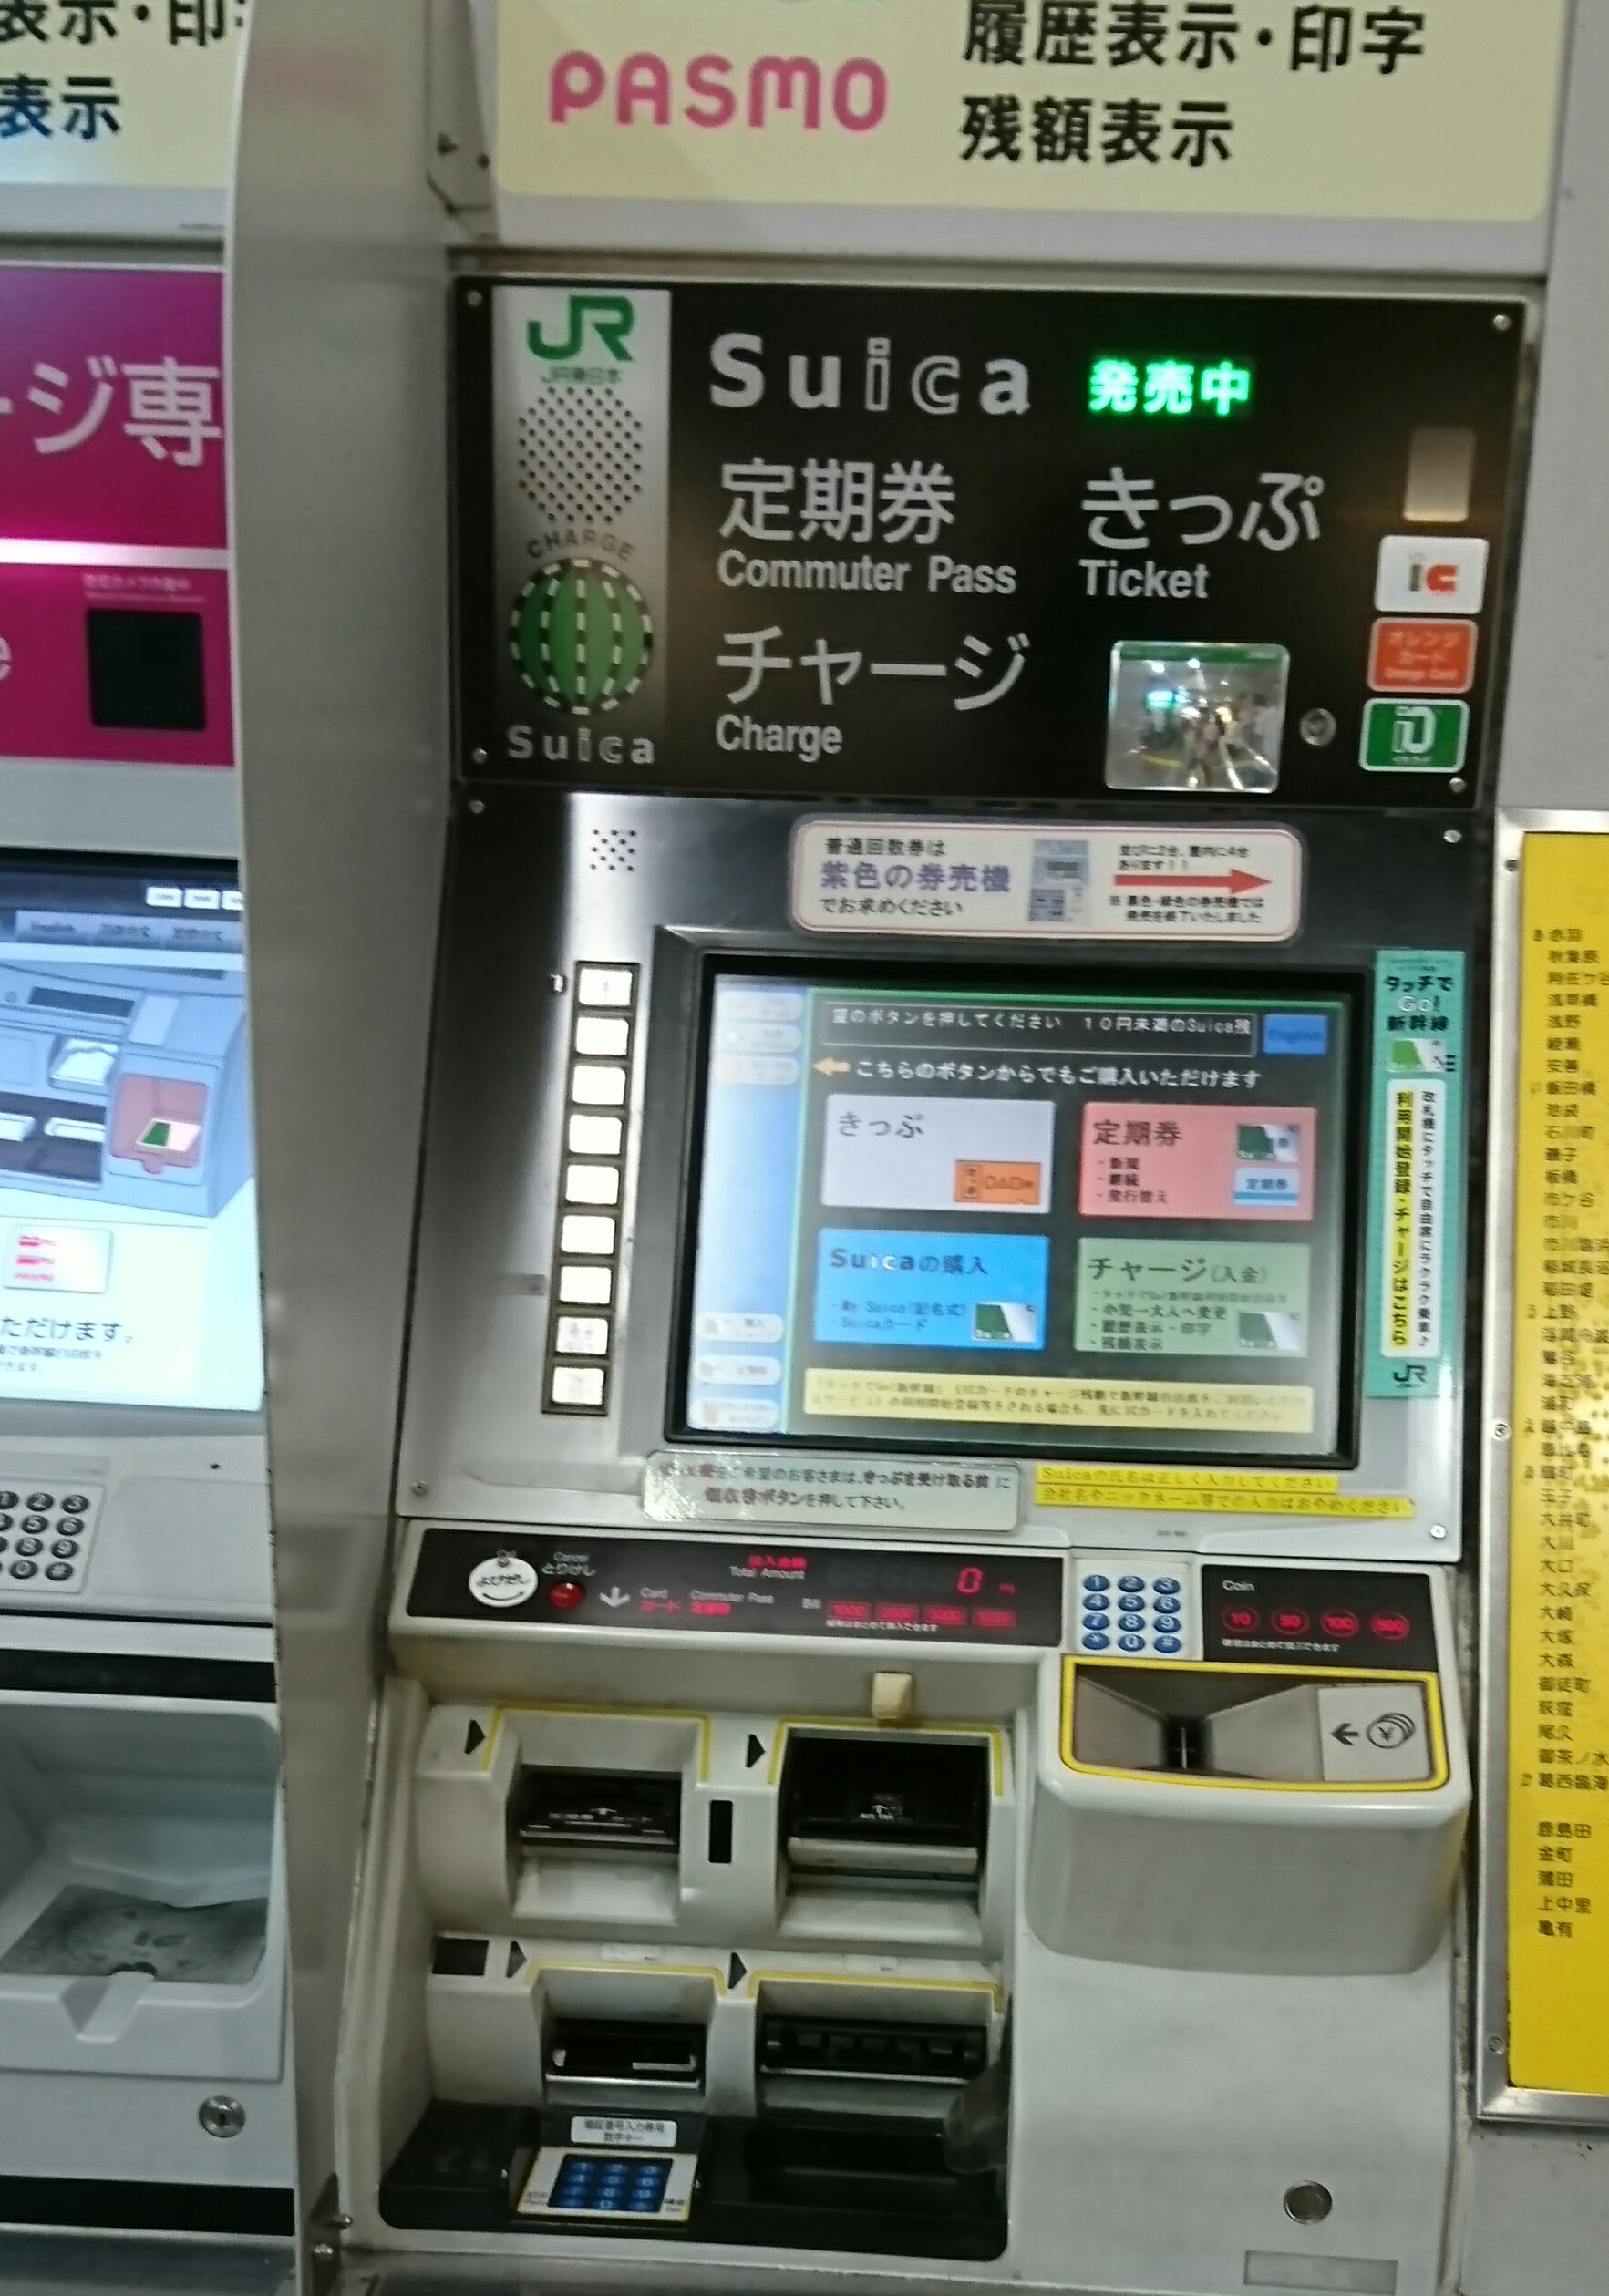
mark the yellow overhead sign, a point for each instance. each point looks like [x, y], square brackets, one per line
[119, 94]
[1558, 1812]
[1442, 112]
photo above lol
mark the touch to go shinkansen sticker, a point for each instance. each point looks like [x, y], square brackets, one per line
[1416, 1161]
[1558, 1684]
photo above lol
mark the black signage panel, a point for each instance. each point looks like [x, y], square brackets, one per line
[1040, 544]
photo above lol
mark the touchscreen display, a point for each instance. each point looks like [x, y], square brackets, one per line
[1086, 1222]
[128, 1219]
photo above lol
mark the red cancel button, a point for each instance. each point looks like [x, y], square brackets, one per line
[1390, 1626]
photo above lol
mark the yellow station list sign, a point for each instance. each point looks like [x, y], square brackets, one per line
[1558, 1688]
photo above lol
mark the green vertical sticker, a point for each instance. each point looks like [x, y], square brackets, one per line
[1416, 1175]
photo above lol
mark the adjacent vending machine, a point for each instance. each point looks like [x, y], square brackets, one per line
[144, 2071]
[871, 761]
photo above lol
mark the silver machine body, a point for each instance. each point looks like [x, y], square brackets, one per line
[833, 1740]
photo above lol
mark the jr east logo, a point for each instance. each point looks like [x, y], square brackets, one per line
[582, 338]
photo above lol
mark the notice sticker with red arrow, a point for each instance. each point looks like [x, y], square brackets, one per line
[1064, 880]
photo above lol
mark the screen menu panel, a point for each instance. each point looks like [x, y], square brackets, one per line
[128, 1214]
[1084, 1223]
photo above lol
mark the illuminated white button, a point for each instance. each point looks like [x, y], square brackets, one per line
[596, 1136]
[601, 1039]
[602, 984]
[580, 1386]
[759, 1036]
[716, 1324]
[582, 1335]
[592, 1184]
[761, 1005]
[735, 1417]
[598, 1087]
[737, 1371]
[586, 1287]
[588, 1233]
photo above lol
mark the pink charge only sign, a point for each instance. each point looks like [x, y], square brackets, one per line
[114, 560]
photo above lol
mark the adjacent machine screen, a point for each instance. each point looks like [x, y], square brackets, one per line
[1033, 1220]
[127, 1219]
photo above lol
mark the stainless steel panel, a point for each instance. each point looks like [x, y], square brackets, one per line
[338, 371]
[539, 886]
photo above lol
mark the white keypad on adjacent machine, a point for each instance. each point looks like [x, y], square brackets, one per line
[47, 1528]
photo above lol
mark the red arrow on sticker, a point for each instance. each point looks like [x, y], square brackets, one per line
[1237, 881]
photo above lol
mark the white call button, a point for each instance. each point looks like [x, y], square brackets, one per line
[502, 1582]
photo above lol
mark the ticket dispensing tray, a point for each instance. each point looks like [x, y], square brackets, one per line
[142, 2038]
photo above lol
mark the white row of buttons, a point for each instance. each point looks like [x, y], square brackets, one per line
[593, 1176]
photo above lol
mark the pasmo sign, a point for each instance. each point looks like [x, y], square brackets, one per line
[712, 91]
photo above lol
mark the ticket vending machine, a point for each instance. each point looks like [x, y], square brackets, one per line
[144, 2073]
[911, 854]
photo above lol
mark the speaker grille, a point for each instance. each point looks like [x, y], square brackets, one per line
[581, 455]
[614, 851]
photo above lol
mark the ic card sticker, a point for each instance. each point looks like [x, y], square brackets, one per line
[888, 1154]
[888, 1289]
[1147, 1160]
[1140, 1297]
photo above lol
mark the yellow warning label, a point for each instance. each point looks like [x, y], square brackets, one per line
[1203, 1491]
[1558, 1805]
[1081, 1403]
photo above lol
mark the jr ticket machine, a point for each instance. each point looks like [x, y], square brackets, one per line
[909, 1399]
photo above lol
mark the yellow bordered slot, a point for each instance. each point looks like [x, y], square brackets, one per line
[612, 1713]
[870, 1981]
[1292, 1674]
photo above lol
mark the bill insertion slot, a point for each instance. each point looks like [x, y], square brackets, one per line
[617, 1812]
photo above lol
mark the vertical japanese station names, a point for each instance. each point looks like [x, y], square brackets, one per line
[1558, 1686]
[119, 93]
[1443, 111]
